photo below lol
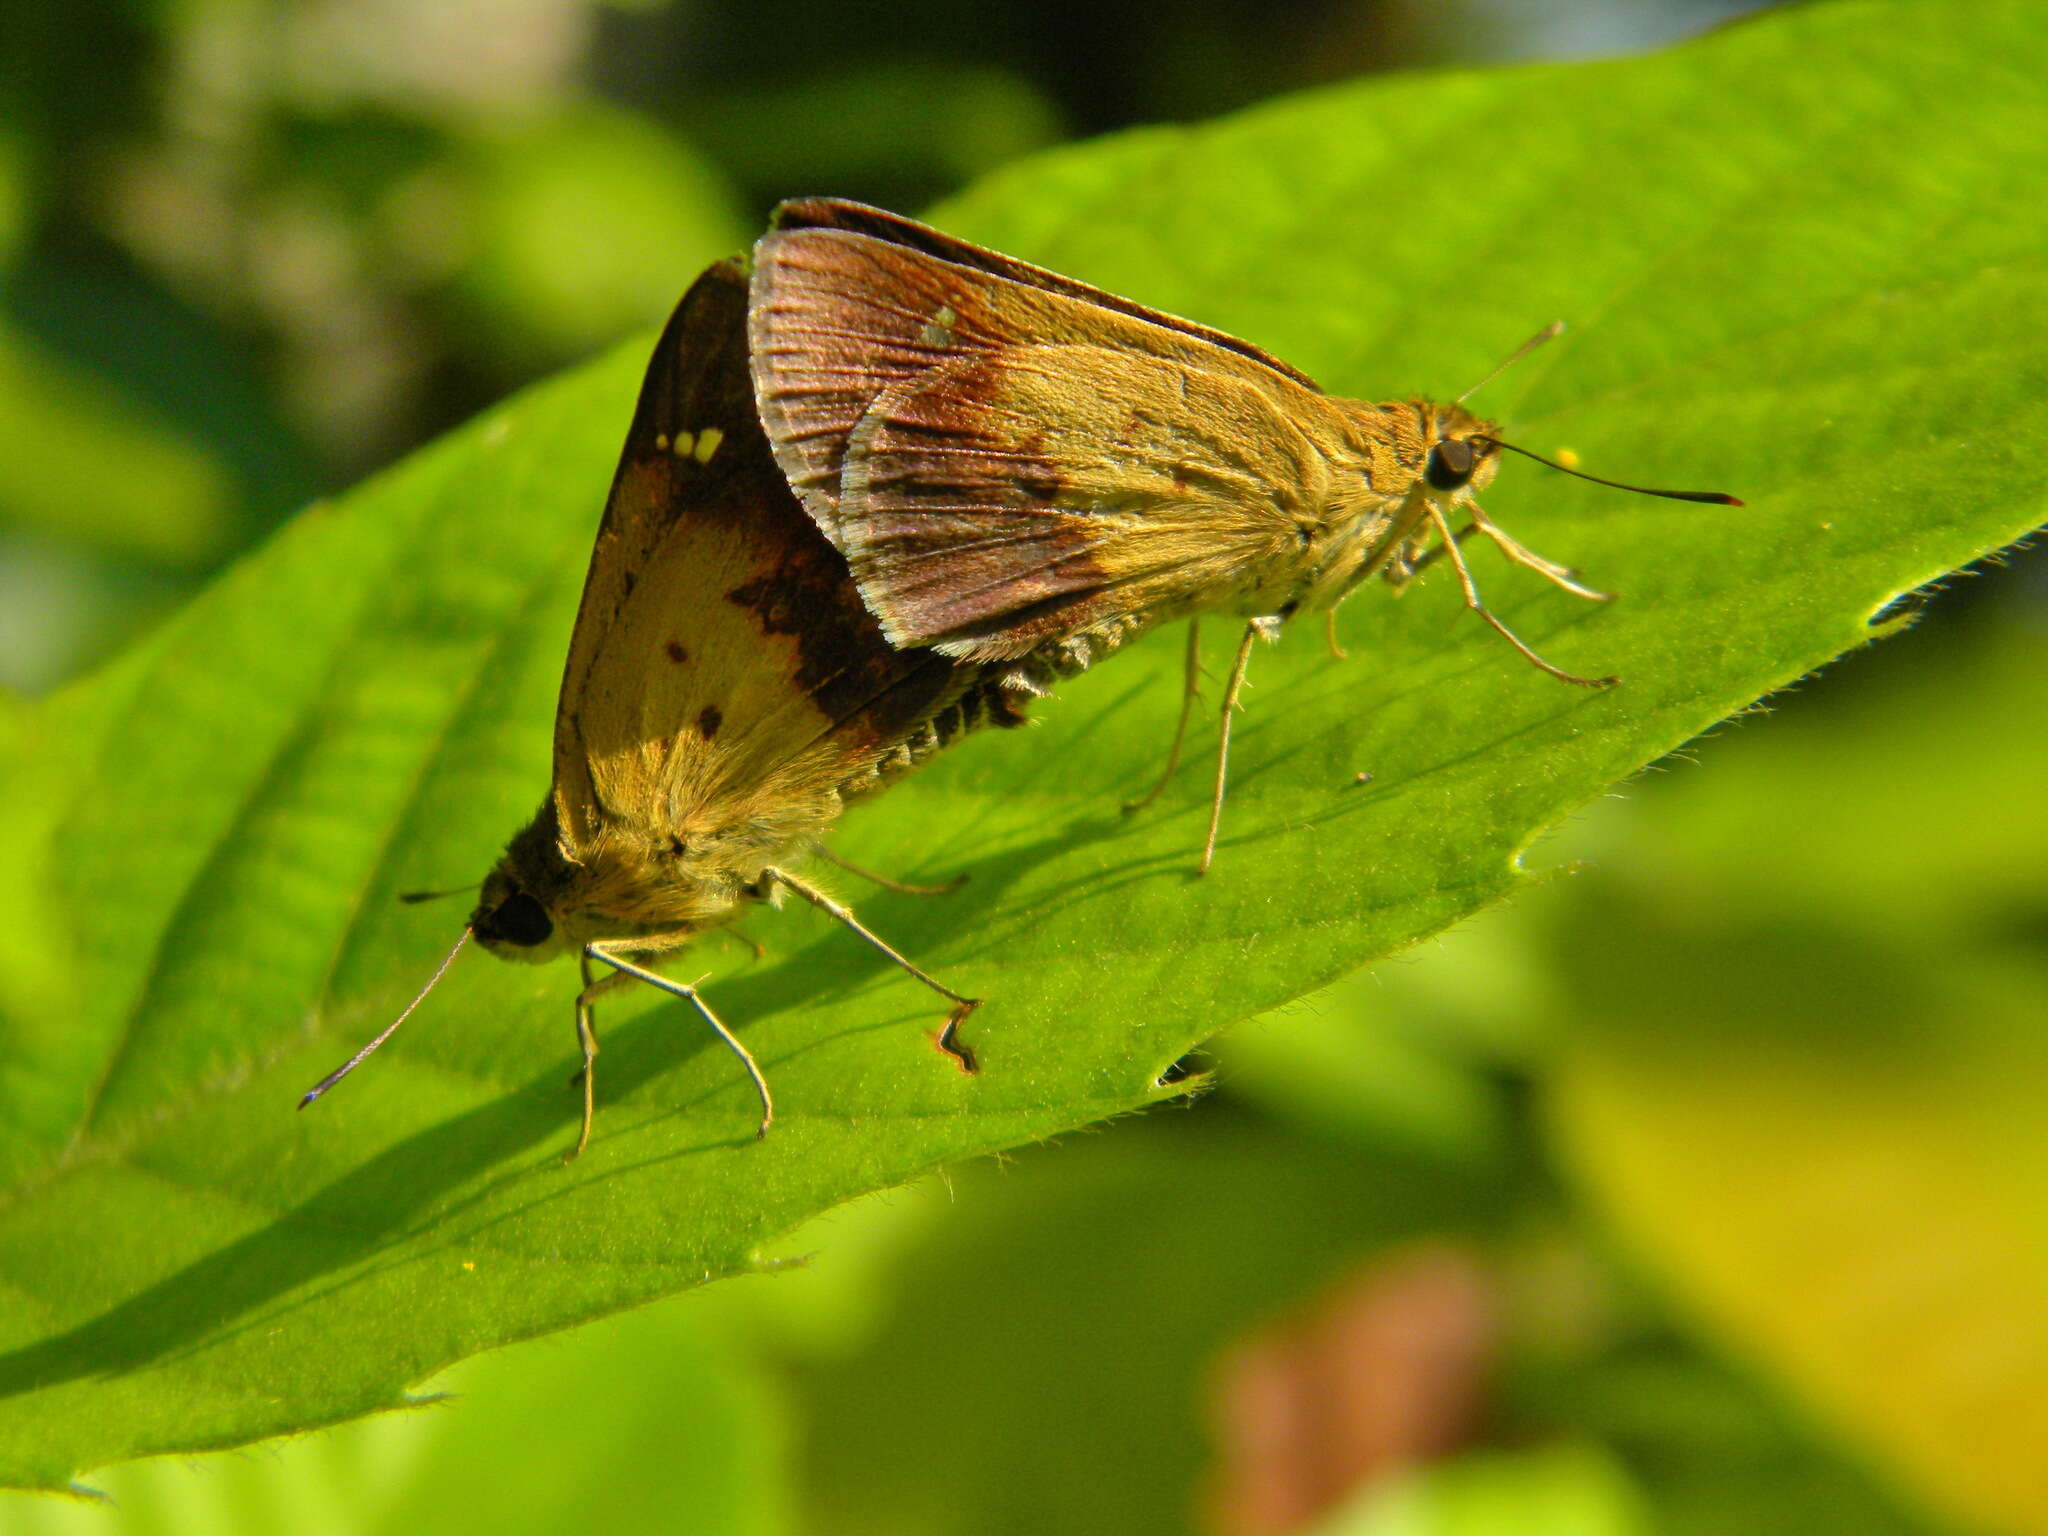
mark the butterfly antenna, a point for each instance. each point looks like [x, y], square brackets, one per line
[1717, 498]
[1548, 332]
[388, 1031]
[414, 898]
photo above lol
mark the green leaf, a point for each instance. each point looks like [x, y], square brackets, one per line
[710, 1459]
[1153, 1254]
[1806, 1071]
[1560, 1490]
[1763, 301]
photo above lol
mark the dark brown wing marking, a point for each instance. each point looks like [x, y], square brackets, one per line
[659, 688]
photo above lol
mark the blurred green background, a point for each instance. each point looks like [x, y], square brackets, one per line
[1699, 1191]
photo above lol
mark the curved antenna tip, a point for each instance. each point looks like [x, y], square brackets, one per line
[1713, 498]
[390, 1029]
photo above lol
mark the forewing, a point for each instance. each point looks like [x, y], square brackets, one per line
[722, 659]
[1012, 496]
[849, 301]
[826, 213]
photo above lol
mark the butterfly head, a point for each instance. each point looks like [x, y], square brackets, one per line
[512, 922]
[519, 912]
[1460, 452]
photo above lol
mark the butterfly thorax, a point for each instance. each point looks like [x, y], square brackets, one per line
[1390, 464]
[547, 894]
[1390, 441]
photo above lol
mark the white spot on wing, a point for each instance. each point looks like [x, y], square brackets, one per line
[938, 331]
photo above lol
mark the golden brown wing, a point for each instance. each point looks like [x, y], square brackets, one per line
[849, 301]
[1010, 496]
[722, 662]
[908, 234]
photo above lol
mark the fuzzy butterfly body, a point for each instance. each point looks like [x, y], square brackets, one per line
[1024, 470]
[726, 695]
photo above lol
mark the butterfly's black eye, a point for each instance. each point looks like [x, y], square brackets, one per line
[1450, 464]
[518, 919]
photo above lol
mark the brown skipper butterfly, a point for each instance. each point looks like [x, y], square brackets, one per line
[1026, 471]
[726, 694]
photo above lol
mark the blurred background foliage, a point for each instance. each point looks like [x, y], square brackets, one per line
[1699, 1193]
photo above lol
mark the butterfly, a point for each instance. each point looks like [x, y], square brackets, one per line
[726, 694]
[1027, 471]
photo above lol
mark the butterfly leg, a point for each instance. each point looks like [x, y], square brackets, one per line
[1337, 652]
[1472, 601]
[613, 953]
[1399, 573]
[1189, 694]
[1521, 554]
[586, 1039]
[1256, 630]
[842, 913]
[755, 947]
[903, 886]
